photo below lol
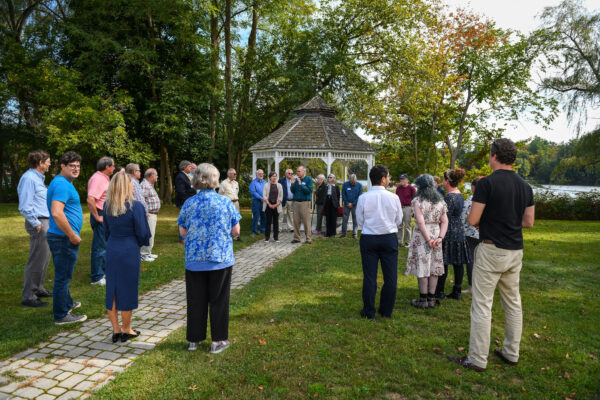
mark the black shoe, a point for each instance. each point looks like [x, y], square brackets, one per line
[498, 352]
[126, 336]
[37, 303]
[308, 242]
[295, 241]
[455, 295]
[116, 337]
[364, 315]
[239, 239]
[465, 362]
[440, 296]
[43, 293]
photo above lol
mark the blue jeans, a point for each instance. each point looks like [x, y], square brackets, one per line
[257, 213]
[98, 256]
[64, 255]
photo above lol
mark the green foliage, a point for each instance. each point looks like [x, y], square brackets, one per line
[585, 206]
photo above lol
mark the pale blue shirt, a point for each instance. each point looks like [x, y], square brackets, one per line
[378, 212]
[290, 195]
[32, 197]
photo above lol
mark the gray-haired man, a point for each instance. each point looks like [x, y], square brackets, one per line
[135, 173]
[152, 202]
[350, 194]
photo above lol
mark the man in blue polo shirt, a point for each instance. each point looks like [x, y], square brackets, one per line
[66, 219]
[256, 190]
[350, 192]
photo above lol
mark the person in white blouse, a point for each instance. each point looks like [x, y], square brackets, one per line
[379, 213]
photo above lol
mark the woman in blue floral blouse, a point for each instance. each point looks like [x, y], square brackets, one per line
[207, 221]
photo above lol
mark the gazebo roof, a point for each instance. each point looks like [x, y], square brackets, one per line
[314, 128]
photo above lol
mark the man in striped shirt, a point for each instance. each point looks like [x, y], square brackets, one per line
[152, 202]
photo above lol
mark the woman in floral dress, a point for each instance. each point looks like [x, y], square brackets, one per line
[425, 258]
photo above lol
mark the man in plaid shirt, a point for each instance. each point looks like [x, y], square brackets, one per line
[152, 202]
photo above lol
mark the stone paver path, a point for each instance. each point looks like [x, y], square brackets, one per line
[71, 365]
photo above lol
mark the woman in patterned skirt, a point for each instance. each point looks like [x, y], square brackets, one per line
[425, 258]
[454, 245]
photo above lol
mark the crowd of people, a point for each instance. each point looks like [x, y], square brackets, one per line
[483, 233]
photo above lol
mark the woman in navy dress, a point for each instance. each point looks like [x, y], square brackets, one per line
[456, 251]
[127, 230]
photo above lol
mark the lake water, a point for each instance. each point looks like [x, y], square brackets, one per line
[570, 190]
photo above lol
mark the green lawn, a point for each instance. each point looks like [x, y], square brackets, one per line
[24, 327]
[296, 334]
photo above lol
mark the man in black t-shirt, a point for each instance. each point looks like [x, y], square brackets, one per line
[502, 205]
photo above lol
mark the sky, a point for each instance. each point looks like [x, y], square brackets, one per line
[522, 15]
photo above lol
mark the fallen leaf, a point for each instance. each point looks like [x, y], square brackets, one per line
[544, 326]
[458, 371]
[537, 336]
[437, 349]
[593, 357]
[272, 320]
[192, 388]
[567, 375]
[262, 341]
[316, 394]
[572, 394]
[260, 388]
[522, 388]
[416, 371]
[567, 356]
[461, 348]
[497, 341]
[583, 312]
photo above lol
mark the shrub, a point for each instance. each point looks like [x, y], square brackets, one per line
[585, 206]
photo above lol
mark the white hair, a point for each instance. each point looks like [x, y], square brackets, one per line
[353, 177]
[206, 176]
[320, 176]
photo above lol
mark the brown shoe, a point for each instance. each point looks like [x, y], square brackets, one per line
[498, 352]
[465, 362]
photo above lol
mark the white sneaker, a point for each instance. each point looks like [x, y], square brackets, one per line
[100, 282]
[147, 258]
[153, 255]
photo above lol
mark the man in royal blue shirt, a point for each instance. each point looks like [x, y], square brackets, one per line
[256, 190]
[350, 193]
[32, 205]
[66, 219]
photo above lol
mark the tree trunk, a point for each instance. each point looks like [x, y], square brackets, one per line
[214, 102]
[165, 186]
[242, 123]
[228, 101]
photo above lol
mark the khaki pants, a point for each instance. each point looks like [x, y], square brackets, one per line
[286, 217]
[495, 267]
[236, 204]
[147, 250]
[302, 216]
[405, 228]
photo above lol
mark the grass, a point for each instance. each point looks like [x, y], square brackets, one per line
[296, 334]
[24, 327]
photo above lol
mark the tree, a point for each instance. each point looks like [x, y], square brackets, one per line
[574, 60]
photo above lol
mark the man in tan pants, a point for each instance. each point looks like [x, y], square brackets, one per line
[302, 188]
[502, 205]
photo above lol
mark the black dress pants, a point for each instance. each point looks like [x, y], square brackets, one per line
[375, 248]
[330, 216]
[471, 244]
[272, 219]
[208, 292]
[459, 273]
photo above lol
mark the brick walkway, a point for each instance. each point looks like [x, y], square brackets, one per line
[71, 365]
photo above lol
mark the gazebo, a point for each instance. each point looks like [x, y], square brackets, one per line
[314, 133]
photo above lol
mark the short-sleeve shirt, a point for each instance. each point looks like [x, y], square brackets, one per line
[208, 218]
[61, 189]
[506, 196]
[97, 188]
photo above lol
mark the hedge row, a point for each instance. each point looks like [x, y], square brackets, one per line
[549, 205]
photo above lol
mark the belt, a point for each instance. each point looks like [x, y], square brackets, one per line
[153, 212]
[43, 218]
[300, 201]
[487, 241]
[235, 201]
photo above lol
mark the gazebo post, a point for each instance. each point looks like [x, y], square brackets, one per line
[269, 160]
[329, 162]
[253, 165]
[277, 161]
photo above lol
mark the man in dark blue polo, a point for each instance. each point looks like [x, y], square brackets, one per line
[350, 193]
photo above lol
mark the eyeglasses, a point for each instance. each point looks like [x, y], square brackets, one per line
[74, 166]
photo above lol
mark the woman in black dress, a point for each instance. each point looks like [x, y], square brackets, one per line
[332, 202]
[126, 230]
[456, 251]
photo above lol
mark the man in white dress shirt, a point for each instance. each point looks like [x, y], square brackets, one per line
[379, 213]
